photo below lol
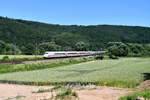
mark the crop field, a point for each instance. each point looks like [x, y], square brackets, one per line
[125, 72]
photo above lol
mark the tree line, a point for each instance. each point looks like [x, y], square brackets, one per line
[37, 49]
[28, 37]
[114, 48]
[128, 49]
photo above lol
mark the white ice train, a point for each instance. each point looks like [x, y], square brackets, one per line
[59, 54]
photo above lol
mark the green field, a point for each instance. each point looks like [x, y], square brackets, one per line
[125, 72]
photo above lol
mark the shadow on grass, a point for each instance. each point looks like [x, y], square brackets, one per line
[73, 83]
[146, 76]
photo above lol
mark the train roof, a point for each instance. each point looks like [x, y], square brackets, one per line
[73, 51]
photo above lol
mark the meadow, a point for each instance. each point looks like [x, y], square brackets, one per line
[125, 72]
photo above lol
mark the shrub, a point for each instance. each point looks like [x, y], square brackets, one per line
[5, 59]
[68, 94]
[100, 57]
[113, 57]
[118, 48]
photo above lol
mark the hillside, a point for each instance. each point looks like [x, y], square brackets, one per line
[24, 33]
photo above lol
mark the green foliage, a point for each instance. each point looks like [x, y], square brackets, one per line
[27, 35]
[128, 49]
[118, 83]
[2, 47]
[56, 88]
[42, 91]
[118, 48]
[81, 46]
[28, 49]
[6, 48]
[49, 46]
[16, 98]
[133, 96]
[100, 57]
[113, 56]
[138, 50]
[68, 94]
[5, 59]
[13, 49]
[17, 59]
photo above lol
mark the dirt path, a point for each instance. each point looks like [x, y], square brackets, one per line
[103, 93]
[24, 92]
[144, 85]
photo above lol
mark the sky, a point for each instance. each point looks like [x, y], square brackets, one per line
[79, 12]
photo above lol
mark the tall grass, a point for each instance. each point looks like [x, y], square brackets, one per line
[118, 83]
[63, 93]
[60, 93]
[145, 94]
[19, 59]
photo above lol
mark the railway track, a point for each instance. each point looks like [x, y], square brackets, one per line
[40, 61]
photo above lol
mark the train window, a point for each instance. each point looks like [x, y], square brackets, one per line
[71, 53]
[59, 53]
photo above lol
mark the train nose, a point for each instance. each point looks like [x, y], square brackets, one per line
[45, 55]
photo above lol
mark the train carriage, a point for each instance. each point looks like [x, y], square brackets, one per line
[58, 54]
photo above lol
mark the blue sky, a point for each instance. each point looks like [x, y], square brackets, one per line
[79, 12]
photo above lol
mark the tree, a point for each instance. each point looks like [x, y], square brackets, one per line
[118, 49]
[2, 47]
[67, 48]
[6, 48]
[13, 49]
[48, 46]
[137, 49]
[28, 49]
[81, 46]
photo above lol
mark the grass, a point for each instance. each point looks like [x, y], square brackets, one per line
[56, 88]
[68, 94]
[17, 58]
[64, 93]
[37, 66]
[42, 91]
[20, 56]
[144, 93]
[125, 72]
[16, 98]
[60, 93]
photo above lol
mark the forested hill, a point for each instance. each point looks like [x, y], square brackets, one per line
[23, 33]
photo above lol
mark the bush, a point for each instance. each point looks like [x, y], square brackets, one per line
[5, 59]
[67, 94]
[118, 49]
[113, 57]
[100, 57]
